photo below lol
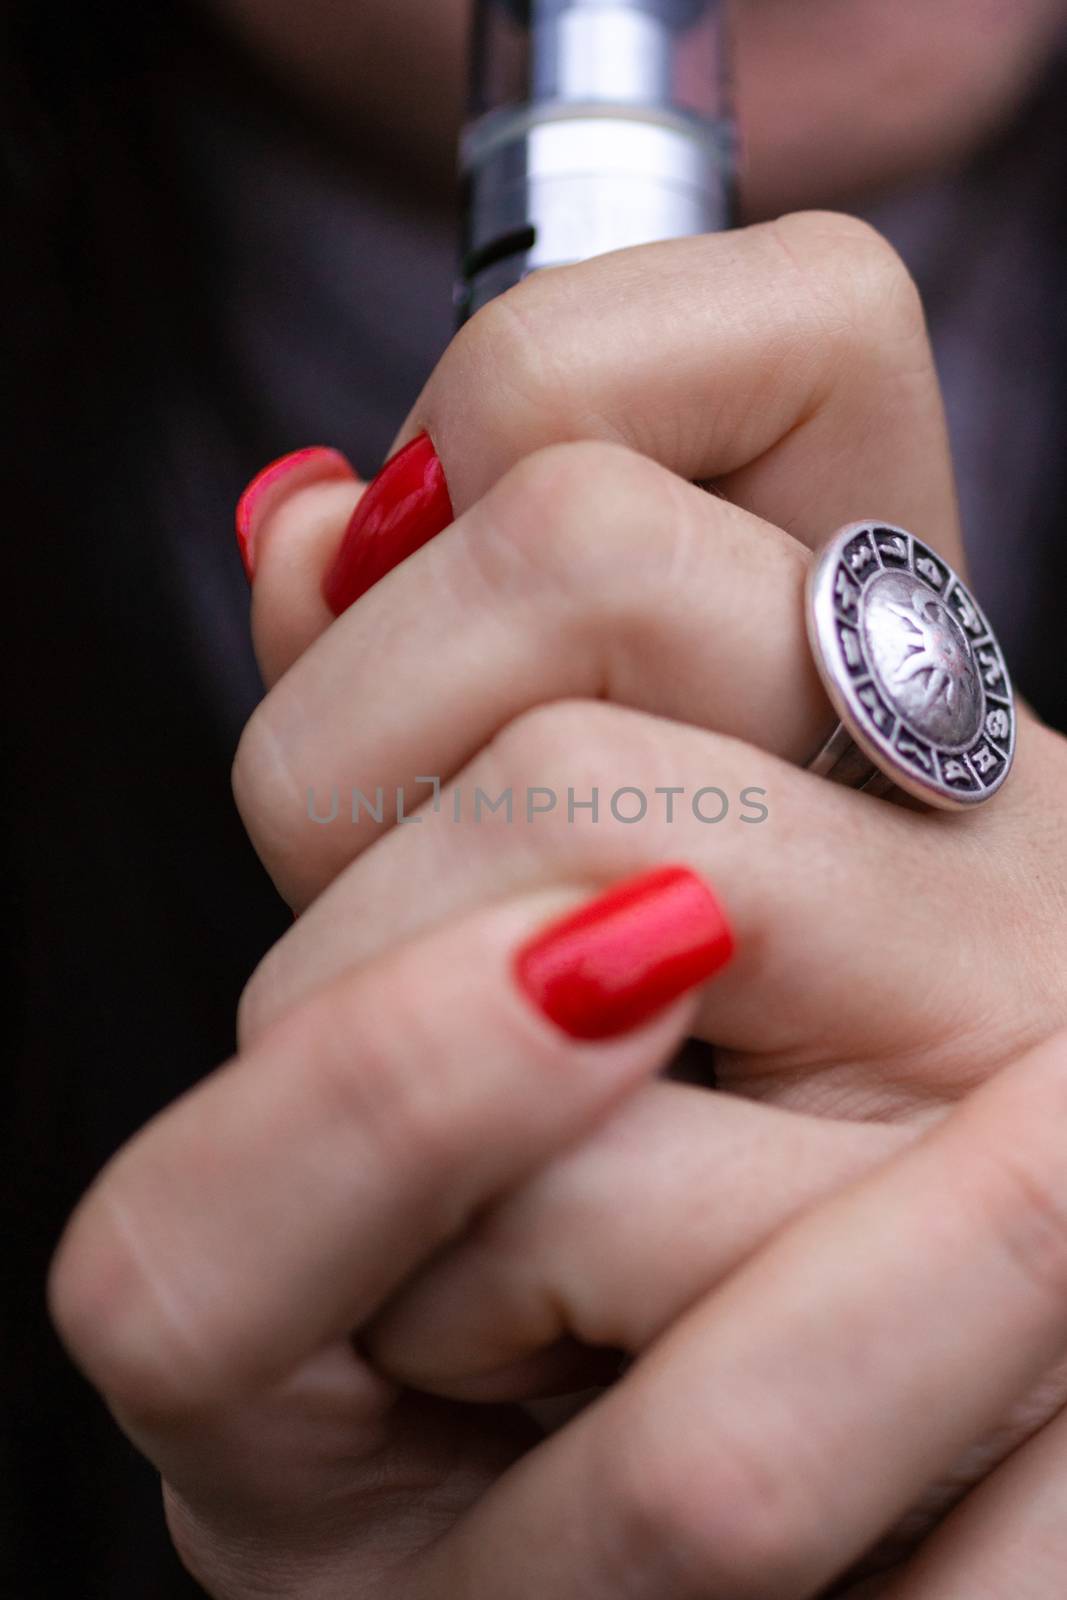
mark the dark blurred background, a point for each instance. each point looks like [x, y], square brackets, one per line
[201, 272]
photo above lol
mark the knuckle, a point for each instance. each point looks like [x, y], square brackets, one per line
[566, 482]
[367, 1076]
[263, 783]
[583, 519]
[856, 274]
[137, 1338]
[276, 792]
[543, 759]
[501, 354]
[553, 741]
[831, 232]
[566, 764]
[730, 1524]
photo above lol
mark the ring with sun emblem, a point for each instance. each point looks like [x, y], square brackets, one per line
[912, 669]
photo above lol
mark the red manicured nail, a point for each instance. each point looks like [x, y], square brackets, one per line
[405, 507]
[612, 965]
[294, 471]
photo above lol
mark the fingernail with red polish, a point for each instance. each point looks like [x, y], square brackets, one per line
[612, 965]
[405, 507]
[294, 471]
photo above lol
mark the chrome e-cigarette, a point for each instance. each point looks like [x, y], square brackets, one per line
[594, 124]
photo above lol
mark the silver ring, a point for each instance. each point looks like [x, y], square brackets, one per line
[912, 668]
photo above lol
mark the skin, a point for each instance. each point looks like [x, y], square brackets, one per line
[907, 1093]
[835, 97]
[465, 1223]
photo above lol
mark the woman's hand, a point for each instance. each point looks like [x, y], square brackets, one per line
[890, 959]
[210, 1281]
[760, 1446]
[907, 953]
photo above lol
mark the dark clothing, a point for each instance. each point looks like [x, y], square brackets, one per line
[199, 284]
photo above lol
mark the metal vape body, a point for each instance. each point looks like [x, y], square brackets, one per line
[595, 124]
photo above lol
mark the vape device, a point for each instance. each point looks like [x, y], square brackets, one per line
[594, 124]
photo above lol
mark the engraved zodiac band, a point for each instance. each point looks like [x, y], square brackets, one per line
[912, 669]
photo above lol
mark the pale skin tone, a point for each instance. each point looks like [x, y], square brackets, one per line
[844, 1279]
[835, 96]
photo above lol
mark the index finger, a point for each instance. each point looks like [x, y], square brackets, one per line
[788, 361]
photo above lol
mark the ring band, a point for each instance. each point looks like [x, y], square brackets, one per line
[912, 668]
[842, 761]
